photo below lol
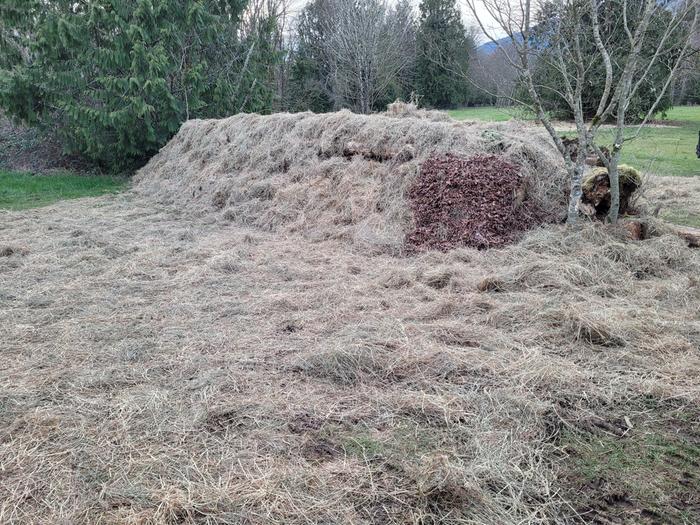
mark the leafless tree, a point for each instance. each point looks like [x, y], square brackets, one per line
[402, 19]
[490, 73]
[626, 67]
[364, 48]
[256, 14]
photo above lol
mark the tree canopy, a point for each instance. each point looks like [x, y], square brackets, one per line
[553, 22]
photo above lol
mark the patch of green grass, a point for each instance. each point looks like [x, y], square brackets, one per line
[490, 114]
[20, 191]
[357, 441]
[684, 114]
[664, 150]
[656, 471]
[681, 217]
[610, 456]
[363, 446]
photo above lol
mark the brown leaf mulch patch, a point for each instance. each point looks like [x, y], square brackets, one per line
[478, 202]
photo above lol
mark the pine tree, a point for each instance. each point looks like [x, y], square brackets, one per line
[117, 78]
[443, 50]
[15, 16]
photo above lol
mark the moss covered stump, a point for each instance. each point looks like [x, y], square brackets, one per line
[596, 197]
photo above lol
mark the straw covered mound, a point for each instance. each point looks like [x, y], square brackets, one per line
[337, 175]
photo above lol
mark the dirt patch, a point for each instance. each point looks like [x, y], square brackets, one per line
[478, 202]
[321, 450]
[304, 422]
[564, 125]
[7, 251]
[219, 199]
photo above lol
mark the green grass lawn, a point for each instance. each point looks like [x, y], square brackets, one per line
[660, 150]
[664, 151]
[488, 113]
[19, 191]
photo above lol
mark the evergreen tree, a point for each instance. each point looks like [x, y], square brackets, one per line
[118, 77]
[443, 50]
[309, 85]
[15, 16]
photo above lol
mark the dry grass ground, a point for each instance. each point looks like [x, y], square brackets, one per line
[678, 199]
[241, 340]
[165, 368]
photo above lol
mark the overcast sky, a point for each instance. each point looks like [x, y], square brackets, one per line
[467, 16]
[490, 24]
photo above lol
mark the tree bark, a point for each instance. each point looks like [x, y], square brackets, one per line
[614, 177]
[576, 175]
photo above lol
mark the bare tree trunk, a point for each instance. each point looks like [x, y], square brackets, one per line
[614, 177]
[576, 175]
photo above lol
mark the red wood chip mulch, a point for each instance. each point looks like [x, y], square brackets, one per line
[469, 202]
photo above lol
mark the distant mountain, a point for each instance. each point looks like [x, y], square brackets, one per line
[489, 47]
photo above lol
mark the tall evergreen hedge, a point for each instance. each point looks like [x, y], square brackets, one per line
[116, 78]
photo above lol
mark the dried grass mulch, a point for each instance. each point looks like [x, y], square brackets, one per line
[163, 367]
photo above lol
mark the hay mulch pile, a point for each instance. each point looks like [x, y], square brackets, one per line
[344, 176]
[477, 202]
